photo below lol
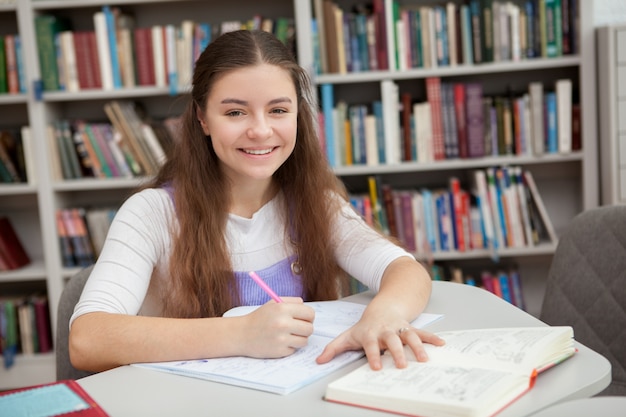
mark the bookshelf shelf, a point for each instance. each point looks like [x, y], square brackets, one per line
[13, 99]
[71, 4]
[88, 184]
[117, 94]
[17, 189]
[35, 271]
[450, 71]
[458, 164]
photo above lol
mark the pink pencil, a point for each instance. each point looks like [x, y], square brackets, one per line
[265, 287]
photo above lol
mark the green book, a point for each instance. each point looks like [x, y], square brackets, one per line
[3, 67]
[47, 28]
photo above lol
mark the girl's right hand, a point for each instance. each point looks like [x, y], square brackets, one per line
[275, 330]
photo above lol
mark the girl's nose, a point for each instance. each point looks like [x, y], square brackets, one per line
[260, 128]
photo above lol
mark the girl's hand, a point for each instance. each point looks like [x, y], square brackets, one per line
[375, 336]
[275, 329]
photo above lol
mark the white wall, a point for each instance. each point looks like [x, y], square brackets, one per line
[608, 11]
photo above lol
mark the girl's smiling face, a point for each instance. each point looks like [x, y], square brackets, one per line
[251, 117]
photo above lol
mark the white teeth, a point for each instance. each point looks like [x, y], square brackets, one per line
[258, 151]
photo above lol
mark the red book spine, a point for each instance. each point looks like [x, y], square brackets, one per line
[13, 252]
[407, 143]
[457, 206]
[81, 48]
[381, 35]
[94, 62]
[459, 110]
[145, 56]
[13, 83]
[433, 95]
[42, 322]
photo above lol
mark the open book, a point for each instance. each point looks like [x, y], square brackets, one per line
[476, 373]
[283, 375]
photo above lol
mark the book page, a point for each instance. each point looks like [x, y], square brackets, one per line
[282, 375]
[527, 347]
[335, 317]
[423, 387]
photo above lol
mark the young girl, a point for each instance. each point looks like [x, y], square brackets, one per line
[247, 188]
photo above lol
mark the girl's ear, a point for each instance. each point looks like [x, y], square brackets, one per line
[200, 117]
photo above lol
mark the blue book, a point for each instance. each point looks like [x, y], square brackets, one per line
[552, 143]
[441, 36]
[445, 226]
[430, 219]
[112, 34]
[19, 54]
[515, 283]
[204, 38]
[328, 102]
[363, 51]
[315, 38]
[466, 28]
[377, 107]
[503, 279]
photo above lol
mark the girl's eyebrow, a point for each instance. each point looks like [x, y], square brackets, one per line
[244, 102]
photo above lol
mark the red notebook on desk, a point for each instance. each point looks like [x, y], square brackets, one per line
[62, 398]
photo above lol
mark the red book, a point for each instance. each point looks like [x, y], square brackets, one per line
[459, 111]
[407, 152]
[67, 396]
[42, 324]
[11, 248]
[144, 54]
[576, 141]
[433, 96]
[457, 206]
[13, 83]
[88, 69]
[381, 35]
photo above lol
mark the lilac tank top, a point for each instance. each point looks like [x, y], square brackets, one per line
[279, 276]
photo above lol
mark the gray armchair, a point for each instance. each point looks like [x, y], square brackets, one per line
[69, 298]
[586, 286]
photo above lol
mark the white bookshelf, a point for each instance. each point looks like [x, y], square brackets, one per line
[611, 44]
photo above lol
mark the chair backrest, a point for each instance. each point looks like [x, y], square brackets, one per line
[586, 286]
[69, 298]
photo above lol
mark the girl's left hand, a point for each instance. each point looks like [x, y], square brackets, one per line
[376, 336]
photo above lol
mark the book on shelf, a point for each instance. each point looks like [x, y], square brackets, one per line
[12, 251]
[47, 27]
[563, 91]
[59, 398]
[290, 373]
[477, 372]
[540, 213]
[26, 326]
[13, 168]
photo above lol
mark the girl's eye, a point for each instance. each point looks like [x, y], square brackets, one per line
[234, 113]
[279, 111]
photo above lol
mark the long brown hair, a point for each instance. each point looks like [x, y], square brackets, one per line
[202, 279]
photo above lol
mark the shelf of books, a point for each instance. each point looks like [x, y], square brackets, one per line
[420, 101]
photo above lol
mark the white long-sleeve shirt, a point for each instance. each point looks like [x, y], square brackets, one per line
[132, 270]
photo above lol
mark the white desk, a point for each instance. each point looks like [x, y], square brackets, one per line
[585, 407]
[131, 391]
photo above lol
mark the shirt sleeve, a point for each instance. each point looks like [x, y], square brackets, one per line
[362, 251]
[137, 239]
